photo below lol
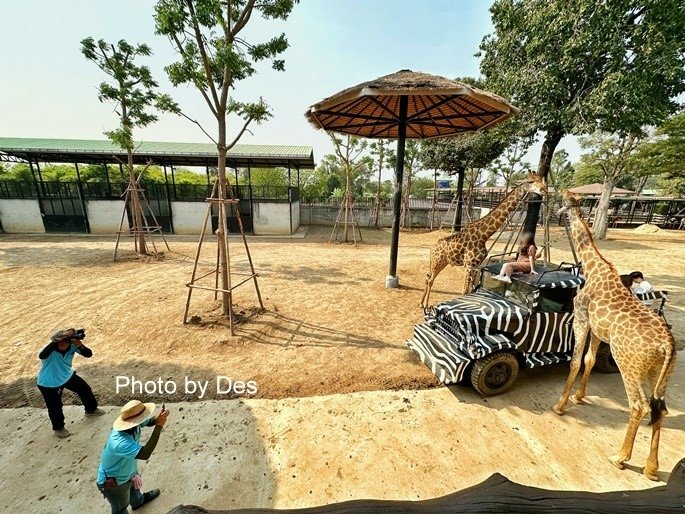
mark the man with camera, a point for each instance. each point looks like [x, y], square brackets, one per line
[118, 479]
[56, 375]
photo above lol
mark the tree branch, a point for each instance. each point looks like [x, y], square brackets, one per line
[242, 131]
[203, 54]
[198, 124]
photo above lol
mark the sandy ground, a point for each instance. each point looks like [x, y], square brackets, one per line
[330, 325]
[316, 450]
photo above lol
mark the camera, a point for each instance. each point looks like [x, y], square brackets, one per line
[79, 334]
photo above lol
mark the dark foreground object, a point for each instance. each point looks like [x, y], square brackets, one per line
[499, 494]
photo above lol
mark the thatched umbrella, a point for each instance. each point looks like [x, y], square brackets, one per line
[408, 104]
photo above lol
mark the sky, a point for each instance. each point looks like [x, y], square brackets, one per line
[48, 89]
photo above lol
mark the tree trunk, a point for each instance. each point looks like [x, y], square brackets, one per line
[552, 138]
[381, 153]
[601, 223]
[222, 229]
[137, 214]
[406, 220]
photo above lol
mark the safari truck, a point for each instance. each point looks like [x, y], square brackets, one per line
[484, 338]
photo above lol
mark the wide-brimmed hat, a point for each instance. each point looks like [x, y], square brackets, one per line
[60, 334]
[133, 414]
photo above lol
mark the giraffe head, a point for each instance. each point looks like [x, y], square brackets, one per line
[568, 201]
[535, 184]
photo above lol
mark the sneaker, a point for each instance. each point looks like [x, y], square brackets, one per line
[147, 498]
[502, 278]
[96, 412]
[62, 433]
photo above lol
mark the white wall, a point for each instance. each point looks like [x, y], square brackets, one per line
[188, 217]
[271, 218]
[21, 216]
[104, 216]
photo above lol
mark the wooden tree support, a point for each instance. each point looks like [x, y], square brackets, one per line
[499, 494]
[195, 279]
[345, 219]
[147, 231]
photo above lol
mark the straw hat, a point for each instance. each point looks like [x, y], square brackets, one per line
[133, 414]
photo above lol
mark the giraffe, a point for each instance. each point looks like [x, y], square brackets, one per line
[467, 247]
[641, 344]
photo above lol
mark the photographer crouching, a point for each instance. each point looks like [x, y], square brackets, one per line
[56, 375]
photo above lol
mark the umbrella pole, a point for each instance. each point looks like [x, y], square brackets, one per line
[392, 280]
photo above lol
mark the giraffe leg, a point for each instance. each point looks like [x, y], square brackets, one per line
[639, 407]
[581, 327]
[652, 465]
[659, 410]
[590, 357]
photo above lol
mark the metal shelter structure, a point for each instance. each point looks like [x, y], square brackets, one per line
[63, 204]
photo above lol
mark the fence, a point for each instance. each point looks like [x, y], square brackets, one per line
[70, 206]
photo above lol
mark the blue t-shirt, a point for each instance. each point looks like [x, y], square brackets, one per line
[118, 458]
[55, 370]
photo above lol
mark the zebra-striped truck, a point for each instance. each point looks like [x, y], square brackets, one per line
[485, 337]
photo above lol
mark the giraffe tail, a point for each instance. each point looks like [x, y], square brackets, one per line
[657, 402]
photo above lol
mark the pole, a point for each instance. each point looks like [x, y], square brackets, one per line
[109, 185]
[81, 197]
[392, 280]
[456, 227]
[168, 199]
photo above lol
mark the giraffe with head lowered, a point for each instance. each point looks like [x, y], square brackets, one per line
[640, 341]
[468, 247]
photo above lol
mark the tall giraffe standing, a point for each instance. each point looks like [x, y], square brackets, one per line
[467, 247]
[641, 344]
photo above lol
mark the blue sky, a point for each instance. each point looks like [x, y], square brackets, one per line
[47, 88]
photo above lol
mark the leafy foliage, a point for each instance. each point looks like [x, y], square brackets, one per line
[213, 56]
[132, 88]
[583, 66]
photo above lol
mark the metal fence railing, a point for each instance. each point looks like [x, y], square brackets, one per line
[21, 189]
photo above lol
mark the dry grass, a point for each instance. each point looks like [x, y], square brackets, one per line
[330, 324]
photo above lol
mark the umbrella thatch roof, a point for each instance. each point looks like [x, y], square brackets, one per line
[437, 107]
[597, 189]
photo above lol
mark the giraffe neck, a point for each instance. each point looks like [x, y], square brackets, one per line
[593, 261]
[491, 223]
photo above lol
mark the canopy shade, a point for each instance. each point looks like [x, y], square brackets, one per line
[409, 104]
[436, 107]
[597, 189]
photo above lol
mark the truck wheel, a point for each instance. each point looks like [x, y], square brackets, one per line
[605, 362]
[494, 374]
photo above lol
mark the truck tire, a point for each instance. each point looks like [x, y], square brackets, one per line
[605, 362]
[495, 374]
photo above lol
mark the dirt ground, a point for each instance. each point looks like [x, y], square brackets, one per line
[310, 451]
[330, 325]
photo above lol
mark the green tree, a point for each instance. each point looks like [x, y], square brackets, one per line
[134, 93]
[611, 156]
[185, 176]
[663, 154]
[420, 187]
[267, 177]
[582, 66]
[412, 161]
[561, 170]
[214, 54]
[20, 171]
[59, 173]
[510, 166]
[380, 150]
